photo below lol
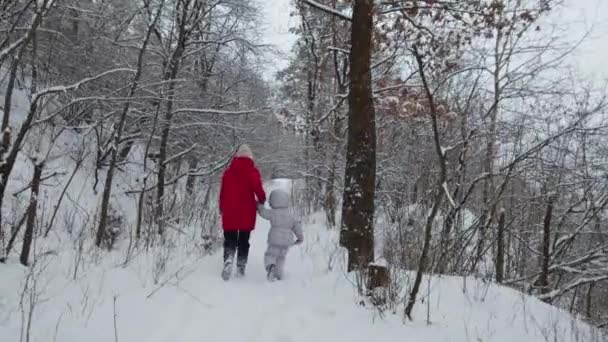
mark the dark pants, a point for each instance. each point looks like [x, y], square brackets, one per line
[236, 241]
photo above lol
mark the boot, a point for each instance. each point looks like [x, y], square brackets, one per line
[227, 271]
[271, 273]
[240, 271]
[241, 263]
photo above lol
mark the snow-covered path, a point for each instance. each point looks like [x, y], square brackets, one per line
[300, 308]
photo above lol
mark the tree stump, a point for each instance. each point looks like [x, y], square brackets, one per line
[377, 276]
[378, 280]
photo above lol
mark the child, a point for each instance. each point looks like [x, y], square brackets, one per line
[283, 227]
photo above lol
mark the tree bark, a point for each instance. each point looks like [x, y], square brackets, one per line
[192, 164]
[357, 230]
[543, 279]
[14, 232]
[500, 249]
[590, 301]
[444, 244]
[28, 236]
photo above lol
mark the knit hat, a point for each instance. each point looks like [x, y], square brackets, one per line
[244, 151]
[279, 199]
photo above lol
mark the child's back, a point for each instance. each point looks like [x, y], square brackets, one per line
[285, 231]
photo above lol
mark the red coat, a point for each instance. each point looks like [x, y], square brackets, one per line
[241, 185]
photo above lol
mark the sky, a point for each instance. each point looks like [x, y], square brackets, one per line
[578, 16]
[277, 23]
[591, 58]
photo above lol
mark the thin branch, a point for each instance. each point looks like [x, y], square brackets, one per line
[217, 111]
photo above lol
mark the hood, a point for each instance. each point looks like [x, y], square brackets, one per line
[240, 163]
[244, 152]
[279, 199]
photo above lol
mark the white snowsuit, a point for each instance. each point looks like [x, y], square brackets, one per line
[283, 228]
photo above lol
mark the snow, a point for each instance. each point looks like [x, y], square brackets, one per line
[190, 302]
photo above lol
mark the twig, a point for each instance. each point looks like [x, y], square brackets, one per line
[179, 155]
[54, 174]
[115, 326]
[218, 111]
[57, 327]
[161, 285]
[63, 192]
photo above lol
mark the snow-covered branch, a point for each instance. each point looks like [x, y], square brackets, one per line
[327, 9]
[217, 111]
[60, 89]
[550, 296]
[179, 155]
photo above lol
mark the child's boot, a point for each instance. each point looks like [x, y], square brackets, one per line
[271, 273]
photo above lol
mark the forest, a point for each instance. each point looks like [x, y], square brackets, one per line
[433, 138]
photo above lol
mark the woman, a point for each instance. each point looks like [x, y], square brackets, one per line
[240, 192]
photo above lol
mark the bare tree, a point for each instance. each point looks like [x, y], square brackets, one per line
[101, 229]
[357, 231]
[31, 213]
[439, 190]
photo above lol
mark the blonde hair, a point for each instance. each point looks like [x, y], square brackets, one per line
[244, 151]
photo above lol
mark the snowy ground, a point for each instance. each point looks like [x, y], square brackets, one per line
[190, 302]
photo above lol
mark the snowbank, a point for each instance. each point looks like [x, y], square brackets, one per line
[316, 302]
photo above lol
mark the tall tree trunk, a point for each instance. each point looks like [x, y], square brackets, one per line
[330, 199]
[142, 194]
[589, 304]
[192, 164]
[488, 166]
[6, 132]
[14, 232]
[8, 163]
[164, 141]
[170, 75]
[500, 249]
[444, 244]
[341, 75]
[357, 230]
[28, 236]
[313, 176]
[543, 278]
[440, 189]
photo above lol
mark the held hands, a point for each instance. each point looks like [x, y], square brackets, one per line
[298, 241]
